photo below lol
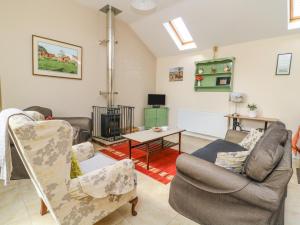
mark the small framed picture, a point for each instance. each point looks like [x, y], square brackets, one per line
[54, 58]
[284, 62]
[176, 74]
[223, 81]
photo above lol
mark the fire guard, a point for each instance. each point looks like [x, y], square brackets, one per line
[110, 123]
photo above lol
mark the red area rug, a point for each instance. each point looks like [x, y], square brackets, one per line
[162, 165]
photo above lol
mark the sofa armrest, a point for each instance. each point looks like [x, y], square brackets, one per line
[261, 196]
[208, 176]
[83, 151]
[83, 123]
[214, 179]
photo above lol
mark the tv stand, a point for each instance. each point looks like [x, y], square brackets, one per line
[156, 117]
[155, 106]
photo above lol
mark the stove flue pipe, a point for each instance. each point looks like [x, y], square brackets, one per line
[110, 42]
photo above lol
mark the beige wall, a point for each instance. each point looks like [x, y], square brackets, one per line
[67, 21]
[276, 96]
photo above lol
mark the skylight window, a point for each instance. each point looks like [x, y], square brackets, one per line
[294, 10]
[180, 34]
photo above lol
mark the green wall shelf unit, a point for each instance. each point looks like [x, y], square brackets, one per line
[156, 117]
[215, 75]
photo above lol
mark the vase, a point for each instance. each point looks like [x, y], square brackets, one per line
[252, 114]
[198, 83]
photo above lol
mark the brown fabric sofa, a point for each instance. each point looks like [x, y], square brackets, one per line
[83, 123]
[211, 195]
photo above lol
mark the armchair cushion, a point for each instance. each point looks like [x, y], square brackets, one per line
[97, 162]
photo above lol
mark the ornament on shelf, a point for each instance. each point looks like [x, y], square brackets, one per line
[213, 70]
[199, 78]
[200, 70]
[227, 69]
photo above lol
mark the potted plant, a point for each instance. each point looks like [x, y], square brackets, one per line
[252, 110]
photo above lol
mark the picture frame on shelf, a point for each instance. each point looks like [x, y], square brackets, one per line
[284, 62]
[221, 81]
[52, 58]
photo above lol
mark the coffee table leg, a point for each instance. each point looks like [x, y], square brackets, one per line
[129, 149]
[179, 143]
[147, 148]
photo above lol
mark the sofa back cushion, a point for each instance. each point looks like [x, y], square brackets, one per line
[267, 152]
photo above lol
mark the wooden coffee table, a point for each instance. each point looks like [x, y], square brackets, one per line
[150, 141]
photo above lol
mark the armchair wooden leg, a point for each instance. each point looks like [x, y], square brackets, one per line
[133, 203]
[43, 209]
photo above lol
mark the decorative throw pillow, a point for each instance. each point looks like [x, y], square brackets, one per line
[75, 168]
[251, 139]
[233, 161]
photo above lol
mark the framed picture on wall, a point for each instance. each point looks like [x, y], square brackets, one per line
[54, 58]
[284, 62]
[176, 74]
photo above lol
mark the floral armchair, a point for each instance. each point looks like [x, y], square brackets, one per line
[45, 148]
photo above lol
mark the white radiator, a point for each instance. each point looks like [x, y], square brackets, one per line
[204, 123]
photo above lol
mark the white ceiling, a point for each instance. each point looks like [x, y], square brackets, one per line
[129, 14]
[211, 22]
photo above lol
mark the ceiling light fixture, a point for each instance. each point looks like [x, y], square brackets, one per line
[143, 5]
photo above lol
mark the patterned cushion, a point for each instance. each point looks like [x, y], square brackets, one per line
[251, 139]
[75, 168]
[233, 161]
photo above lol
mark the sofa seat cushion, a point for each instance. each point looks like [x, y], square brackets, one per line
[97, 162]
[266, 153]
[210, 151]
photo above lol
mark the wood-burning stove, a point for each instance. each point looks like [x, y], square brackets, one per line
[110, 125]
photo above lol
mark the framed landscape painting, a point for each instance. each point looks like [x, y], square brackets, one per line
[54, 58]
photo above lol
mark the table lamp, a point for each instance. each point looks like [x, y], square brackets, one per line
[236, 97]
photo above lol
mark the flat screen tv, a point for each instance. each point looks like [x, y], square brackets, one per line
[154, 99]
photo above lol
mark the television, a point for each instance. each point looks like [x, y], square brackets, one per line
[156, 100]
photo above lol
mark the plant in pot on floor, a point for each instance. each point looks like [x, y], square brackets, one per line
[252, 110]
